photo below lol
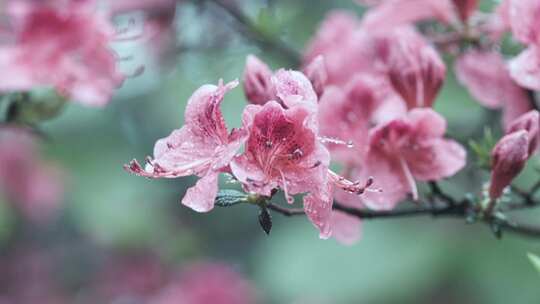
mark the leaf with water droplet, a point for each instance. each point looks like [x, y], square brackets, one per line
[228, 197]
[265, 220]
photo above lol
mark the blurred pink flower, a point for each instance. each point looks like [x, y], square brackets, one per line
[205, 283]
[414, 67]
[283, 151]
[29, 276]
[406, 149]
[33, 186]
[508, 158]
[529, 122]
[486, 76]
[392, 13]
[73, 57]
[136, 277]
[202, 147]
[159, 31]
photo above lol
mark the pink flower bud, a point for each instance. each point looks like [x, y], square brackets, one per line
[316, 73]
[465, 8]
[415, 69]
[257, 81]
[529, 122]
[508, 159]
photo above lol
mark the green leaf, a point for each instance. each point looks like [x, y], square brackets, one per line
[228, 197]
[482, 148]
[535, 260]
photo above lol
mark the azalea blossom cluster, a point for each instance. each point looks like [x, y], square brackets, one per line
[283, 130]
[363, 99]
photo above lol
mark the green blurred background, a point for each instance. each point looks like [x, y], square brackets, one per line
[415, 260]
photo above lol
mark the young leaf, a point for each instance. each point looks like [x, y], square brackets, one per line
[228, 197]
[535, 260]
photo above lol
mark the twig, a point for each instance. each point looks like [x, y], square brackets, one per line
[253, 32]
[437, 192]
[285, 211]
[456, 210]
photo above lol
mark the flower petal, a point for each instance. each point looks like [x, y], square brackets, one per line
[435, 159]
[485, 75]
[346, 229]
[525, 68]
[293, 88]
[201, 197]
[318, 208]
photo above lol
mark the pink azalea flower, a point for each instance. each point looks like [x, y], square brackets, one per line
[208, 283]
[283, 151]
[202, 147]
[33, 186]
[269, 162]
[508, 158]
[414, 68]
[392, 13]
[486, 76]
[72, 39]
[529, 122]
[408, 149]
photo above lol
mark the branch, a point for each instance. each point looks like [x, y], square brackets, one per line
[253, 32]
[451, 211]
[455, 210]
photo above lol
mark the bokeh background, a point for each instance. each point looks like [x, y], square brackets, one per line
[109, 217]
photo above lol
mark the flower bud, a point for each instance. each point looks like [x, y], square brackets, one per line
[316, 73]
[257, 85]
[415, 69]
[529, 122]
[508, 159]
[465, 8]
